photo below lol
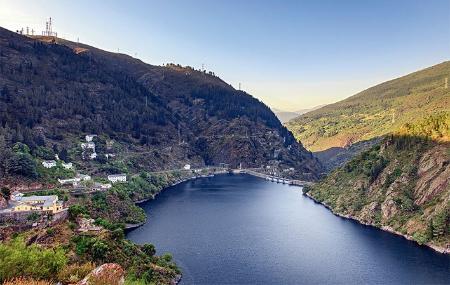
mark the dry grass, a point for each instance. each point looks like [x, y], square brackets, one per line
[27, 281]
[75, 272]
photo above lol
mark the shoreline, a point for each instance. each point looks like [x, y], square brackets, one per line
[388, 229]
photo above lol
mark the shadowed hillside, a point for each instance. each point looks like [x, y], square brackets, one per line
[161, 117]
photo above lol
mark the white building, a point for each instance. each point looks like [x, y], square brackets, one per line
[89, 138]
[117, 178]
[101, 186]
[108, 155]
[69, 181]
[88, 145]
[38, 203]
[49, 163]
[93, 155]
[84, 177]
[67, 165]
[16, 195]
[187, 166]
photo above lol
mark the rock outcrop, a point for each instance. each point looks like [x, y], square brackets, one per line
[108, 273]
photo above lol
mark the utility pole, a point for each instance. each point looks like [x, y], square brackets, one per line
[393, 116]
[239, 85]
[446, 83]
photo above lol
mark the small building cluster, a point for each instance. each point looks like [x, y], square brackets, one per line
[88, 148]
[53, 163]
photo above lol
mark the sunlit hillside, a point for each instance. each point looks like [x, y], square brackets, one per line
[376, 111]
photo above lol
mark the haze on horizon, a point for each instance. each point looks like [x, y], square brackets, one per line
[292, 56]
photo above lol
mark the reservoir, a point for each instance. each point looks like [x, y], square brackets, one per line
[239, 229]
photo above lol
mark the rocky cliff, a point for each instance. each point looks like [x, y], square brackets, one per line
[401, 185]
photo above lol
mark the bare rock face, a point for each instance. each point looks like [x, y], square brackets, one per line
[108, 273]
[388, 209]
[434, 173]
[367, 213]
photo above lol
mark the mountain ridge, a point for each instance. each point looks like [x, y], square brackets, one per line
[56, 91]
[375, 111]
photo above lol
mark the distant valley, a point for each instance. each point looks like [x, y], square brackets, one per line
[286, 116]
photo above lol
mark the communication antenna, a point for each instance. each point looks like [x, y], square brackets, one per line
[446, 83]
[239, 85]
[49, 29]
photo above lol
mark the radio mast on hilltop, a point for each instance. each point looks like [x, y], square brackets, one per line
[49, 29]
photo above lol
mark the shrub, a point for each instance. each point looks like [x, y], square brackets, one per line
[18, 259]
[76, 210]
[75, 272]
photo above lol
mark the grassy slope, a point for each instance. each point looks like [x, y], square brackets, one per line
[402, 183]
[369, 114]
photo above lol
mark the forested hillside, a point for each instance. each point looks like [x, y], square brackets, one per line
[401, 185]
[376, 111]
[53, 92]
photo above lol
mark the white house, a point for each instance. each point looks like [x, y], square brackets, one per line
[117, 178]
[16, 195]
[89, 138]
[108, 155]
[88, 145]
[84, 177]
[101, 186]
[69, 181]
[67, 165]
[187, 166]
[49, 163]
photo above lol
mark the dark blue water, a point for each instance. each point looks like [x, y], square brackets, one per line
[238, 229]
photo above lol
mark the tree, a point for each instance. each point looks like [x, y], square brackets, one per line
[22, 164]
[149, 249]
[64, 155]
[76, 210]
[5, 192]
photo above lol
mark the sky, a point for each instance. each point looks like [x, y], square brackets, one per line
[290, 54]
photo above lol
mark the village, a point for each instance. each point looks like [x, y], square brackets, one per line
[24, 207]
[20, 206]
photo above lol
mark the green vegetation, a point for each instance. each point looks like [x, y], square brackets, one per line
[118, 203]
[397, 183]
[376, 111]
[17, 259]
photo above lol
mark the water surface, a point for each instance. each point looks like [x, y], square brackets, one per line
[239, 229]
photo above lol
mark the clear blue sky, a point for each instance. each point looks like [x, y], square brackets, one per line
[290, 54]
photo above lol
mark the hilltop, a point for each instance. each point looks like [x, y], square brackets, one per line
[159, 117]
[375, 112]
